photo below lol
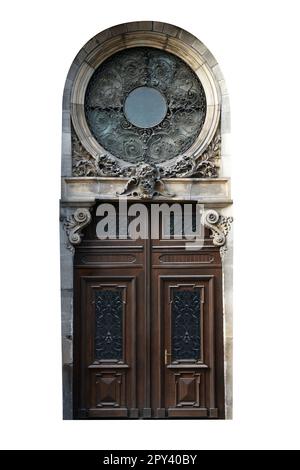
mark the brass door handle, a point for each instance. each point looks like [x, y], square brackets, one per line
[166, 356]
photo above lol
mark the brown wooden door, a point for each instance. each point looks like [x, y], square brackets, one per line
[148, 330]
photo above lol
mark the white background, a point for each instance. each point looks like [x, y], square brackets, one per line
[257, 46]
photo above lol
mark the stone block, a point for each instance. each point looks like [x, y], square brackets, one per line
[67, 328]
[228, 378]
[67, 349]
[226, 167]
[66, 143]
[225, 104]
[186, 37]
[210, 59]
[66, 263]
[90, 45]
[66, 102]
[66, 122]
[199, 46]
[158, 26]
[103, 36]
[67, 305]
[225, 122]
[217, 72]
[66, 165]
[223, 87]
[73, 71]
[67, 376]
[119, 29]
[140, 26]
[170, 29]
[226, 144]
[80, 57]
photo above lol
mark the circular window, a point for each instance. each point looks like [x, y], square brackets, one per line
[144, 104]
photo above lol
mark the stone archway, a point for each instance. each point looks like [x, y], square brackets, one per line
[88, 174]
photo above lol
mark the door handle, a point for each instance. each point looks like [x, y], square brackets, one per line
[166, 356]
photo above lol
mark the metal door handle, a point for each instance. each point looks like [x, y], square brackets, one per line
[166, 356]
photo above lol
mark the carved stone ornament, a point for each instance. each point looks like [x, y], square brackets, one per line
[145, 182]
[74, 224]
[203, 166]
[219, 226]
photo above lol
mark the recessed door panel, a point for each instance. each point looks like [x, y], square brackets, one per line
[108, 345]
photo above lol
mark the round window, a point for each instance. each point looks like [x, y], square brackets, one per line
[144, 104]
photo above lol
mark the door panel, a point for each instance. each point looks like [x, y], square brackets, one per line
[188, 345]
[109, 346]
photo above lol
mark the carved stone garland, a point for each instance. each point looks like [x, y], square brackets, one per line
[217, 223]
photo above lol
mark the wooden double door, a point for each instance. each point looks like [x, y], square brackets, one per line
[148, 334]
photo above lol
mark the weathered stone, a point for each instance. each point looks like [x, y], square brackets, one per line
[80, 57]
[186, 37]
[67, 305]
[67, 392]
[223, 87]
[199, 46]
[158, 26]
[140, 26]
[170, 29]
[228, 378]
[210, 59]
[103, 36]
[225, 122]
[119, 29]
[217, 72]
[67, 349]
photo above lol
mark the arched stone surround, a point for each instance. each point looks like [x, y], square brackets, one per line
[81, 192]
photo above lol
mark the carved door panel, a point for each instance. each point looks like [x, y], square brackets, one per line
[188, 313]
[108, 346]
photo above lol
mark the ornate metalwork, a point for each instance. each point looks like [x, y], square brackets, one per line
[186, 317]
[219, 226]
[109, 324]
[145, 182]
[137, 67]
[204, 166]
[74, 224]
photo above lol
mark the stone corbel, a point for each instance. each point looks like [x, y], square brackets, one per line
[74, 225]
[219, 226]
